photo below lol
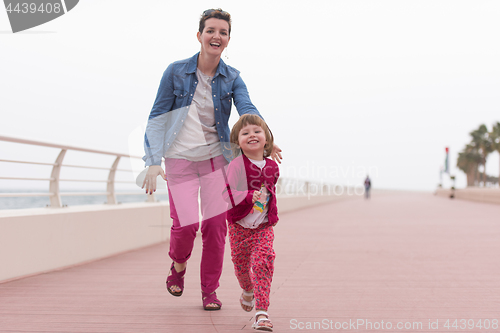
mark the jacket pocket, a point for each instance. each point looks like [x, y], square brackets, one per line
[180, 93]
[181, 98]
[225, 101]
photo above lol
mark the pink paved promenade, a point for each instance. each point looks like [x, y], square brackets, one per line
[406, 259]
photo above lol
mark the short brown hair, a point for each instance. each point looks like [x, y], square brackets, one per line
[214, 13]
[251, 119]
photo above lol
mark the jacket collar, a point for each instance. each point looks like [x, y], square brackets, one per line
[247, 161]
[193, 63]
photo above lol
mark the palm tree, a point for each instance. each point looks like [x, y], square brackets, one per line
[483, 143]
[468, 161]
[495, 139]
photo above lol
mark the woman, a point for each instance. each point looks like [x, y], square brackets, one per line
[188, 126]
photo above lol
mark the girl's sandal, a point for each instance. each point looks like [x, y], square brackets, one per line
[209, 299]
[244, 303]
[175, 279]
[257, 324]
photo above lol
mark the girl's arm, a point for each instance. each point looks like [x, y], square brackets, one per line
[236, 192]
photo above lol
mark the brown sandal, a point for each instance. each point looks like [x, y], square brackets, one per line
[208, 299]
[175, 279]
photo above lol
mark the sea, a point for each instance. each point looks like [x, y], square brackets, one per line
[44, 201]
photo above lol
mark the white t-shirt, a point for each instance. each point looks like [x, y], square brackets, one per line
[198, 139]
[258, 214]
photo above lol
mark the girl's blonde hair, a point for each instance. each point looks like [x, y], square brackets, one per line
[251, 119]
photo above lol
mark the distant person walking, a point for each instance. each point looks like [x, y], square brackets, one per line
[188, 126]
[251, 196]
[368, 185]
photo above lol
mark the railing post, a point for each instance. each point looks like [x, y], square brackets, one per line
[111, 182]
[55, 198]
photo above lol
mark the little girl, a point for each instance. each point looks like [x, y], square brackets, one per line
[251, 195]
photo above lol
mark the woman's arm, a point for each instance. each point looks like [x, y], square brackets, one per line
[242, 99]
[165, 95]
[155, 130]
[244, 105]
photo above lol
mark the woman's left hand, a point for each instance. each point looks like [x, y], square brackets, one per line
[276, 154]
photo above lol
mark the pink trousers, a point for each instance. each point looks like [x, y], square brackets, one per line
[185, 179]
[253, 257]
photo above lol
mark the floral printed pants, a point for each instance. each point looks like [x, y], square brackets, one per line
[253, 256]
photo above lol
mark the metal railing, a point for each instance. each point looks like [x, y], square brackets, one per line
[285, 186]
[54, 180]
[293, 186]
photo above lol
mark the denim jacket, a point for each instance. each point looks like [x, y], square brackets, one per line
[174, 96]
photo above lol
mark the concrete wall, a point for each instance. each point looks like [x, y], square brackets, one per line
[487, 195]
[38, 240]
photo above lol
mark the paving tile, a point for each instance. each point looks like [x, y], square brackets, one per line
[408, 258]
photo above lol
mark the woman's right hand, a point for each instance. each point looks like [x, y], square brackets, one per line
[150, 179]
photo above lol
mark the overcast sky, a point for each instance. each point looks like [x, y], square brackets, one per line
[347, 87]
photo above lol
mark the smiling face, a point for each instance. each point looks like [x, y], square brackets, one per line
[215, 37]
[252, 140]
[248, 122]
